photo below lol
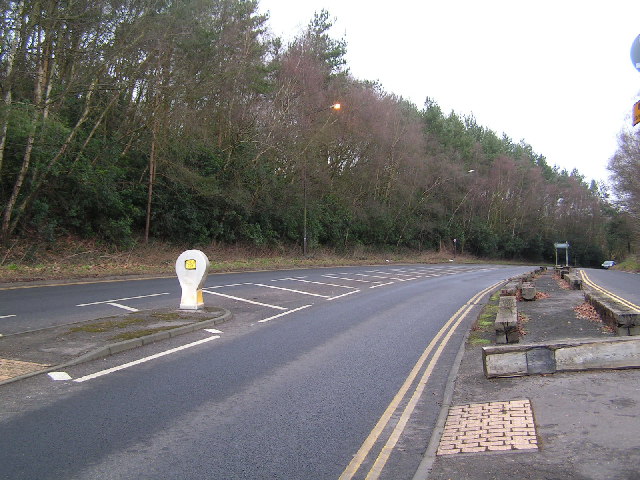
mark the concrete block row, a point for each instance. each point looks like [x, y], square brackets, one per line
[506, 322]
[574, 281]
[528, 291]
[624, 320]
[520, 360]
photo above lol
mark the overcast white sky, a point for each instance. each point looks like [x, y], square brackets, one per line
[557, 74]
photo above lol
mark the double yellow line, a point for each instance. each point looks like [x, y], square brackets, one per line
[438, 343]
[613, 296]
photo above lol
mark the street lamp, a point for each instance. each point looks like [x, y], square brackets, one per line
[455, 240]
[335, 107]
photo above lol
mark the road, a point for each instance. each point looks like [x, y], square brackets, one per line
[322, 374]
[621, 284]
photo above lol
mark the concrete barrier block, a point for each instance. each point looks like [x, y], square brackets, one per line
[597, 355]
[574, 281]
[509, 290]
[506, 322]
[568, 356]
[506, 364]
[528, 291]
[508, 302]
[622, 319]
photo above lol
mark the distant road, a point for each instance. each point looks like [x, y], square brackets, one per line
[622, 284]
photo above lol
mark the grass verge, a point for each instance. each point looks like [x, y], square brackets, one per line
[482, 331]
[108, 325]
[140, 333]
[79, 259]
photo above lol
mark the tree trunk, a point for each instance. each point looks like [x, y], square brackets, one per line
[41, 101]
[152, 177]
[40, 176]
[8, 86]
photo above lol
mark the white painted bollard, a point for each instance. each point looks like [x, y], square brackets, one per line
[192, 267]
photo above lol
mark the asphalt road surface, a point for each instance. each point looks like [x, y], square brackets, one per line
[622, 284]
[322, 374]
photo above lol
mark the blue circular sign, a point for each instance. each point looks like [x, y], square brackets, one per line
[635, 53]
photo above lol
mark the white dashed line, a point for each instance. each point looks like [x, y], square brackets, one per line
[348, 279]
[320, 283]
[291, 290]
[283, 314]
[121, 299]
[143, 360]
[124, 307]
[382, 285]
[244, 300]
[343, 295]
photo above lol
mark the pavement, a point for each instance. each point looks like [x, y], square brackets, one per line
[580, 425]
[577, 425]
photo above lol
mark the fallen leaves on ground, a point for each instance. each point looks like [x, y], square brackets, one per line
[586, 310]
[522, 320]
[541, 295]
[561, 283]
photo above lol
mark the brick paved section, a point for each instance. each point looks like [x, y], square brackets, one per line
[15, 368]
[489, 427]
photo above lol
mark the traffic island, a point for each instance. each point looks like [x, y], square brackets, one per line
[40, 351]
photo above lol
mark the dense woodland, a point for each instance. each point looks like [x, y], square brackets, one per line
[188, 122]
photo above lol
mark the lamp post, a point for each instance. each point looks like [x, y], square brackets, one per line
[336, 107]
[464, 198]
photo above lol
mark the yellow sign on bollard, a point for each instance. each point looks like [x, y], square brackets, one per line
[192, 267]
[636, 113]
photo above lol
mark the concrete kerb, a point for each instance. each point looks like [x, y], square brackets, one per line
[119, 347]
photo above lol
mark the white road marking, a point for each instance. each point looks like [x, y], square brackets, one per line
[124, 307]
[348, 279]
[212, 330]
[290, 290]
[319, 283]
[230, 285]
[283, 314]
[59, 376]
[343, 295]
[245, 300]
[121, 299]
[143, 360]
[7, 316]
[382, 285]
[383, 277]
